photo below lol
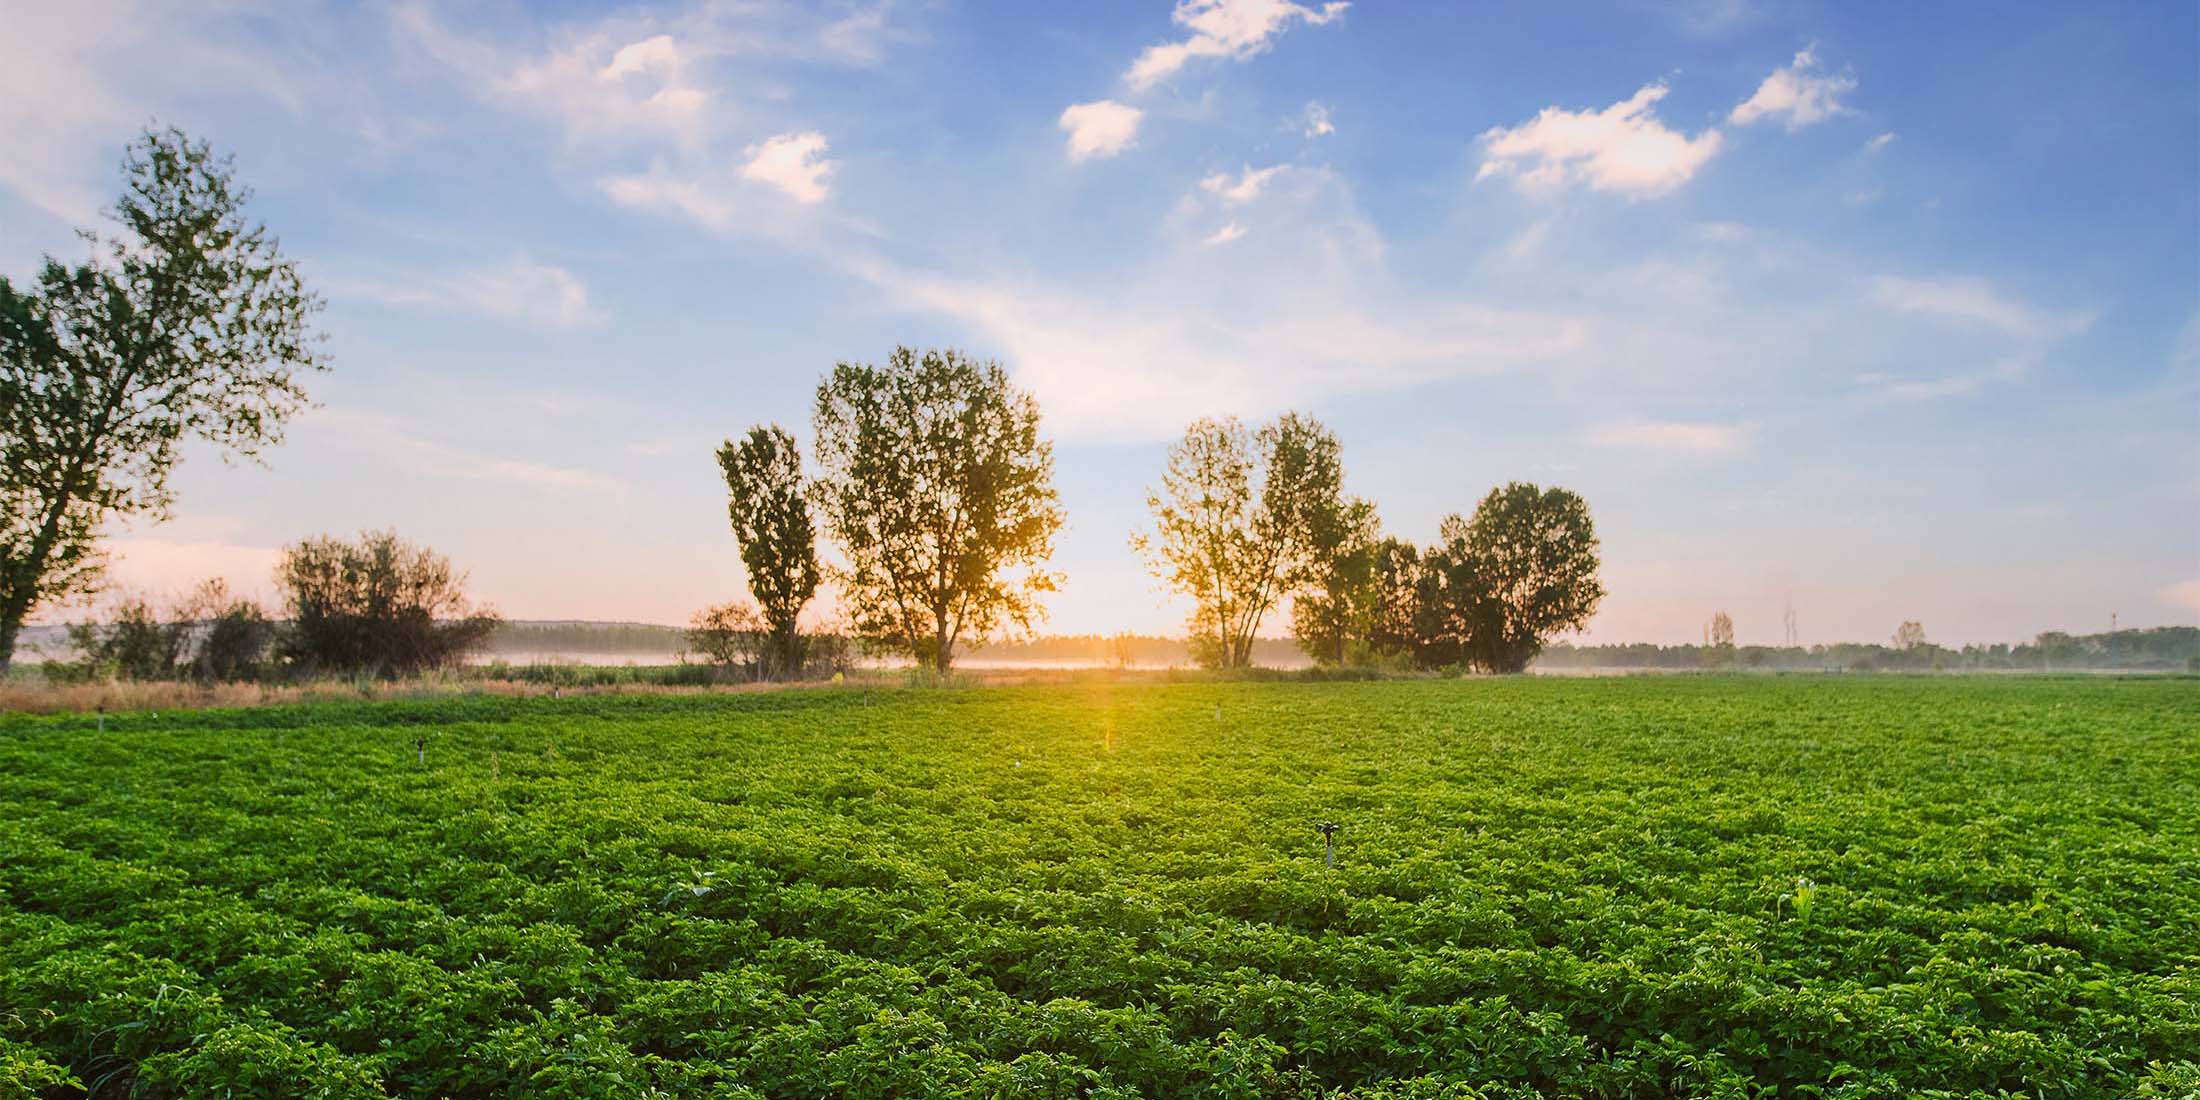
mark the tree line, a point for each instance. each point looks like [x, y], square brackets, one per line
[935, 485]
[929, 477]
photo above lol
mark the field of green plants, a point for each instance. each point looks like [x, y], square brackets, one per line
[1807, 886]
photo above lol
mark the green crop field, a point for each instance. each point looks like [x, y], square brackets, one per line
[1604, 887]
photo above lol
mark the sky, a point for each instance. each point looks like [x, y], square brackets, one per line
[1875, 311]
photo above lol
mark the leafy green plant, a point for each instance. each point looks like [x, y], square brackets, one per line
[1544, 887]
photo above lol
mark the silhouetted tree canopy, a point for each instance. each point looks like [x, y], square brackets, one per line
[188, 323]
[377, 606]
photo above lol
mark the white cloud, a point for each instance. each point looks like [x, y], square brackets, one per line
[1226, 234]
[1798, 95]
[1974, 301]
[1623, 148]
[522, 291]
[1688, 437]
[1244, 189]
[656, 54]
[1317, 120]
[1235, 29]
[1101, 128]
[1879, 143]
[1299, 306]
[794, 163]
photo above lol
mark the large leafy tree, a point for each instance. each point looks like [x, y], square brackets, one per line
[187, 323]
[771, 521]
[1237, 521]
[1500, 584]
[939, 491]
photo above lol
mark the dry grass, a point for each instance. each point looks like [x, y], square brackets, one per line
[24, 696]
[27, 694]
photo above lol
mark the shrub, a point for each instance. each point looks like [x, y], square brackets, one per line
[378, 606]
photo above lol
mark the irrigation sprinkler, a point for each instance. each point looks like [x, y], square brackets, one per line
[1328, 830]
[420, 747]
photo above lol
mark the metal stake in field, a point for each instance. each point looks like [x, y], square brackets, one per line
[1328, 830]
[420, 747]
[103, 718]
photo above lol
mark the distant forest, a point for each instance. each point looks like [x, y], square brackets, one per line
[2166, 648]
[2169, 648]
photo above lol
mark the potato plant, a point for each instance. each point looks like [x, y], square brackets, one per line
[1810, 887]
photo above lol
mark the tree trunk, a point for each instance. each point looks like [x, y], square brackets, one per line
[10, 626]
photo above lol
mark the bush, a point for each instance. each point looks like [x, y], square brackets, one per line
[734, 639]
[379, 606]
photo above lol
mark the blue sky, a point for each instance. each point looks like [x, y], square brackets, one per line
[1878, 311]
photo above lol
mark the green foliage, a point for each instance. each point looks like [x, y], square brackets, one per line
[771, 521]
[377, 606]
[188, 324]
[731, 636]
[1498, 585]
[939, 491]
[235, 636]
[209, 636]
[1543, 888]
[1243, 519]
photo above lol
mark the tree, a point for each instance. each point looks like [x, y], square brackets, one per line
[771, 521]
[1910, 635]
[937, 488]
[1333, 601]
[188, 324]
[1523, 568]
[234, 634]
[1394, 599]
[1237, 521]
[379, 606]
[731, 636]
[133, 645]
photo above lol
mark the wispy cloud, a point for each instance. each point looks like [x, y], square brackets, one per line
[1317, 120]
[1226, 234]
[1101, 128]
[1623, 148]
[1880, 143]
[1974, 301]
[1234, 29]
[433, 459]
[519, 291]
[1687, 437]
[1797, 95]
